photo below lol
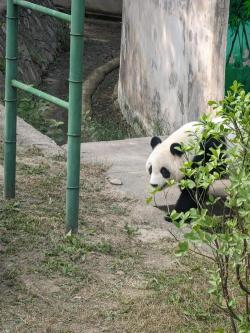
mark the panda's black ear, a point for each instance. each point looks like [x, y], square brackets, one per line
[155, 141]
[175, 149]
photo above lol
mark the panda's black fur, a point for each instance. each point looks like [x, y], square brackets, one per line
[187, 200]
[173, 155]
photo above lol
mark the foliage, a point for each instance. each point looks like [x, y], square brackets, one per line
[34, 112]
[238, 18]
[239, 12]
[227, 237]
[103, 129]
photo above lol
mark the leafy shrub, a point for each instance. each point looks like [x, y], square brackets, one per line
[227, 237]
[35, 112]
[239, 12]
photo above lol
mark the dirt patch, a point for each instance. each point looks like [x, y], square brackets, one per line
[151, 236]
[102, 44]
[106, 279]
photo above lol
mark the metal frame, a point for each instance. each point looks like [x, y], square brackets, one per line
[74, 106]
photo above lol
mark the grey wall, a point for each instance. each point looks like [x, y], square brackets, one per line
[109, 6]
[2, 5]
[106, 6]
[172, 61]
[40, 38]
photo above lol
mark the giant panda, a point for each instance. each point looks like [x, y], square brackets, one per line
[166, 160]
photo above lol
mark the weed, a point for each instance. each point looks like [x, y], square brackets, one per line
[131, 230]
[158, 281]
[56, 265]
[104, 247]
[117, 209]
[103, 278]
[65, 255]
[34, 111]
[33, 169]
[75, 246]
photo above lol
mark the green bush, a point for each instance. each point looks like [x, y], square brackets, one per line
[35, 112]
[226, 237]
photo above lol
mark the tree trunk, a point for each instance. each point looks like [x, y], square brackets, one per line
[173, 56]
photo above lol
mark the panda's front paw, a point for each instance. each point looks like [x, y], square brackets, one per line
[176, 221]
[168, 218]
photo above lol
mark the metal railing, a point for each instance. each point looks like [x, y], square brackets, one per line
[74, 105]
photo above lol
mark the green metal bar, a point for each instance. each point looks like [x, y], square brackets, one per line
[42, 9]
[75, 112]
[10, 101]
[41, 94]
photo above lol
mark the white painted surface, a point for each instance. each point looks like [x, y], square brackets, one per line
[172, 61]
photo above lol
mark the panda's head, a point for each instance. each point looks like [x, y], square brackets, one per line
[164, 161]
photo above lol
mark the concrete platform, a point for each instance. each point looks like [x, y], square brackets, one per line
[28, 136]
[127, 159]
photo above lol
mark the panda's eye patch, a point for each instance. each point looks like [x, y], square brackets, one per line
[150, 169]
[165, 173]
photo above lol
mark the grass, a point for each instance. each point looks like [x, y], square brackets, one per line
[38, 113]
[99, 280]
[106, 130]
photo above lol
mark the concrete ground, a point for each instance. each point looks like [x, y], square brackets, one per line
[125, 158]
[28, 136]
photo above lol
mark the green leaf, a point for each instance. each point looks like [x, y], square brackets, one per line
[192, 236]
[219, 330]
[149, 200]
[182, 249]
[232, 303]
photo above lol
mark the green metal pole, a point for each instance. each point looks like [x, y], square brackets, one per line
[42, 9]
[10, 101]
[75, 112]
[40, 94]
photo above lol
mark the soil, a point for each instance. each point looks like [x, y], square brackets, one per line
[118, 275]
[102, 43]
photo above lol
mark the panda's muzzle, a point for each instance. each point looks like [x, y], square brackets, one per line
[160, 187]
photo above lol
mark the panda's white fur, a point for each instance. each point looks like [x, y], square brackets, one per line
[161, 156]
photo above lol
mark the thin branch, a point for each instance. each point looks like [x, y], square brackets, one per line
[232, 47]
[225, 310]
[203, 255]
[241, 284]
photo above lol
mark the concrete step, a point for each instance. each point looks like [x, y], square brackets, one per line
[126, 160]
[28, 136]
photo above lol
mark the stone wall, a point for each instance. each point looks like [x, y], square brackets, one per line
[104, 6]
[172, 61]
[107, 6]
[40, 38]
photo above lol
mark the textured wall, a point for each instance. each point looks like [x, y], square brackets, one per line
[40, 38]
[109, 6]
[106, 6]
[172, 61]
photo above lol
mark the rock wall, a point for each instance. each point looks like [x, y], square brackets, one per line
[107, 6]
[104, 6]
[40, 38]
[172, 61]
